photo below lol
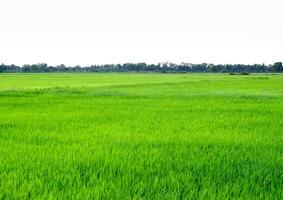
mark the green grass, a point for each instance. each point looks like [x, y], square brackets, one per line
[141, 136]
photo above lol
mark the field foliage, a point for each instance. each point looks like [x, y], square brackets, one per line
[141, 136]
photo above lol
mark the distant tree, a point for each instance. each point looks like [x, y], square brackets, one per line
[2, 68]
[214, 68]
[77, 68]
[144, 67]
[26, 68]
[40, 67]
[277, 67]
[61, 67]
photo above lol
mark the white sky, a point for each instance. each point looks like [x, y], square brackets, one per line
[116, 31]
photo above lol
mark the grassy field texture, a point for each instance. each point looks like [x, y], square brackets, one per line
[141, 136]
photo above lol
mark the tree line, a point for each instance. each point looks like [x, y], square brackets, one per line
[166, 67]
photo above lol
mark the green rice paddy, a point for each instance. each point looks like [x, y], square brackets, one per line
[141, 136]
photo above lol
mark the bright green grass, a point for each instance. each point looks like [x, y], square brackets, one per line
[141, 136]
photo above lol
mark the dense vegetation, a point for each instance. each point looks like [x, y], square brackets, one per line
[141, 136]
[143, 67]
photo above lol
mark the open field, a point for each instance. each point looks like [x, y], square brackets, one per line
[141, 136]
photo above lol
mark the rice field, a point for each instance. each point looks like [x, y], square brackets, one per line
[141, 136]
